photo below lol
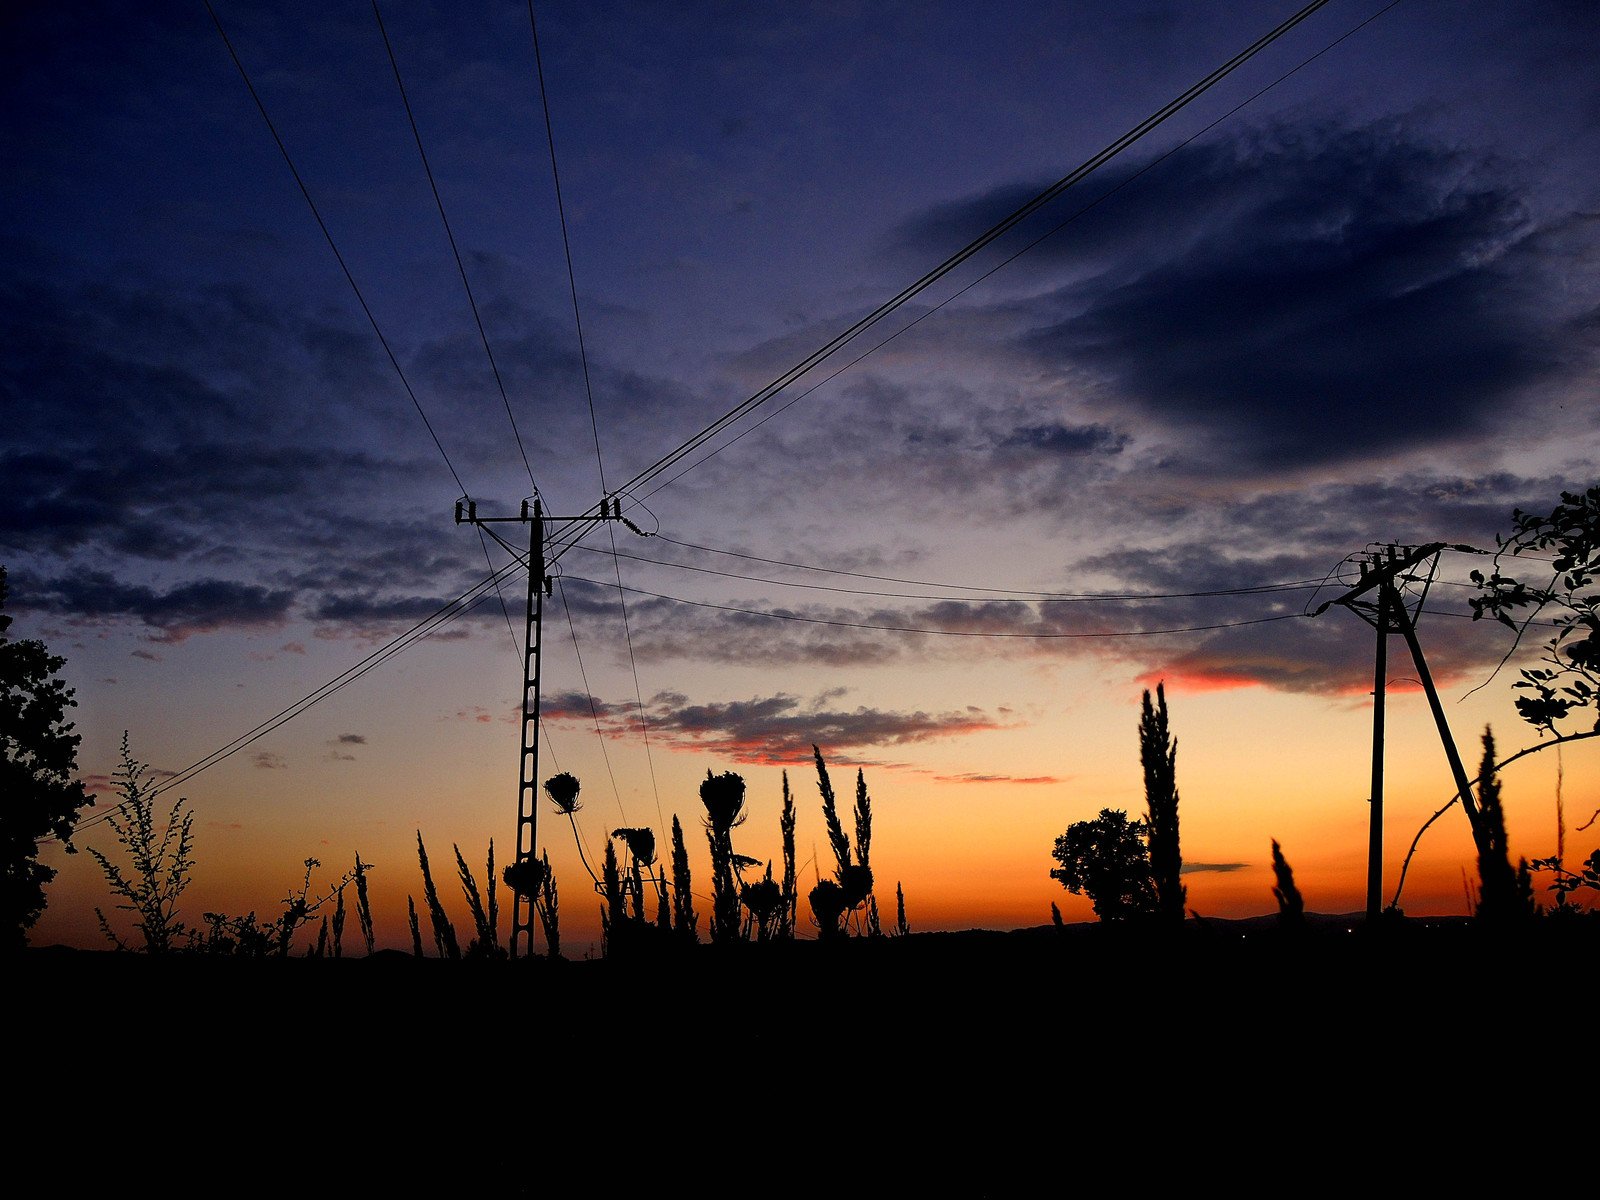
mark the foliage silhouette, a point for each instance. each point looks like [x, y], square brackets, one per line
[827, 907]
[1569, 679]
[38, 757]
[1107, 860]
[161, 860]
[363, 904]
[535, 882]
[444, 933]
[1158, 755]
[1291, 907]
[246, 937]
[483, 906]
[791, 882]
[723, 798]
[685, 921]
[1504, 895]
[853, 876]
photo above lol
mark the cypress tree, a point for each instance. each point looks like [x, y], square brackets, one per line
[1291, 907]
[1158, 753]
[1498, 900]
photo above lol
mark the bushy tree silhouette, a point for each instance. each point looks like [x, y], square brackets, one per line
[39, 797]
[1107, 860]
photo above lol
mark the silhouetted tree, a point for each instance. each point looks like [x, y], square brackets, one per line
[1158, 753]
[1569, 679]
[1106, 859]
[901, 926]
[1291, 908]
[1504, 894]
[38, 757]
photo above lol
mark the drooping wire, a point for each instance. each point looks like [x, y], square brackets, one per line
[332, 245]
[594, 425]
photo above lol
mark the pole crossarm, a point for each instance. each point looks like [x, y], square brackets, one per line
[1385, 569]
[534, 517]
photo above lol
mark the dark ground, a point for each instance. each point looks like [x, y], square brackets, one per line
[959, 1064]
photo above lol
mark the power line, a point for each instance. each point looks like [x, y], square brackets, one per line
[1007, 261]
[594, 425]
[438, 200]
[999, 229]
[343, 266]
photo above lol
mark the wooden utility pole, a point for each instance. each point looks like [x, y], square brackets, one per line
[1382, 573]
[539, 586]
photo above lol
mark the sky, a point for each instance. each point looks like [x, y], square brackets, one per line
[1345, 297]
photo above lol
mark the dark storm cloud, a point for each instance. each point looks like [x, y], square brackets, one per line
[1302, 295]
[179, 612]
[772, 730]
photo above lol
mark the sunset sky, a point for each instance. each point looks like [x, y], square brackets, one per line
[1346, 297]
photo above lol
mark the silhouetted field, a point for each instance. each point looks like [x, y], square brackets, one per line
[964, 1063]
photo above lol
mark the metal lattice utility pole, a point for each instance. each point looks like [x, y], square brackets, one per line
[539, 586]
[1377, 600]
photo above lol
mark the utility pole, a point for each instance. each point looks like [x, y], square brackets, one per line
[539, 586]
[1382, 573]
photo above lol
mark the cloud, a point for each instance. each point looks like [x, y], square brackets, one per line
[175, 614]
[1302, 294]
[351, 739]
[266, 760]
[769, 730]
[1189, 868]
